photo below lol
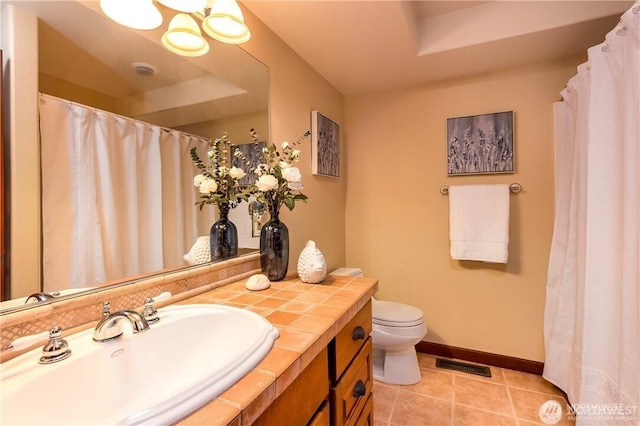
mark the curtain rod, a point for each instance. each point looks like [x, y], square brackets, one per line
[123, 117]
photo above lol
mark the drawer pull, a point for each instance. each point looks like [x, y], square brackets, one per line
[358, 333]
[359, 390]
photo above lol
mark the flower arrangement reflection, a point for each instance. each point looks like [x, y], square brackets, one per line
[217, 181]
[218, 184]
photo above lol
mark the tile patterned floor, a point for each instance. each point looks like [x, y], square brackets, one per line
[446, 397]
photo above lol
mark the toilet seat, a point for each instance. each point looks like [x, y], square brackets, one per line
[393, 314]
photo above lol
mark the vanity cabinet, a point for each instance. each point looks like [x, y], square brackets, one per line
[351, 372]
[300, 401]
[335, 389]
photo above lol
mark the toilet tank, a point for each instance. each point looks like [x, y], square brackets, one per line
[350, 272]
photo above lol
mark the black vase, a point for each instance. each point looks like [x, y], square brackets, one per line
[223, 236]
[274, 246]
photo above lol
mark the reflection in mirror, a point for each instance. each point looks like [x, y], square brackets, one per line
[87, 59]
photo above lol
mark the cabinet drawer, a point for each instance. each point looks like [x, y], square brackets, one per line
[366, 417]
[349, 395]
[349, 341]
[322, 417]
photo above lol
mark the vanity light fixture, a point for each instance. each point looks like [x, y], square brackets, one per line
[221, 19]
[186, 6]
[184, 37]
[225, 22]
[136, 14]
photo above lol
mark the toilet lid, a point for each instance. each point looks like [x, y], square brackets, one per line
[396, 314]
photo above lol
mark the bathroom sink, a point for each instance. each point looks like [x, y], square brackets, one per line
[192, 355]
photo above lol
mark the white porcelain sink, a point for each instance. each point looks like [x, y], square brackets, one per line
[192, 355]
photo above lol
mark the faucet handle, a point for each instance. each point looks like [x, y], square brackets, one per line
[57, 349]
[150, 313]
[106, 309]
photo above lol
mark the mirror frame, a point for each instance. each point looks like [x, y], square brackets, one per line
[116, 285]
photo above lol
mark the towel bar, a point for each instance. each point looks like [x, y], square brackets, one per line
[514, 188]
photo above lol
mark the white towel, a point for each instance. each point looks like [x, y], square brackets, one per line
[479, 222]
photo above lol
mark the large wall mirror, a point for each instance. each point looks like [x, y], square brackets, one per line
[87, 59]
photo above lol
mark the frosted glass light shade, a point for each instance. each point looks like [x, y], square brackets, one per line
[188, 6]
[184, 37]
[225, 23]
[136, 14]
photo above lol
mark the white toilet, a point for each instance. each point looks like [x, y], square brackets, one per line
[397, 328]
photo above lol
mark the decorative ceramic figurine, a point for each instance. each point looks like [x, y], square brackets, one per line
[312, 268]
[258, 282]
[200, 252]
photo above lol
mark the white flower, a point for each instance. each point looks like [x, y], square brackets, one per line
[283, 165]
[261, 169]
[237, 173]
[197, 180]
[292, 174]
[210, 154]
[208, 186]
[223, 170]
[295, 186]
[284, 145]
[266, 183]
[295, 155]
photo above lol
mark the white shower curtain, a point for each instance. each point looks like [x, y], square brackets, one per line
[592, 312]
[117, 196]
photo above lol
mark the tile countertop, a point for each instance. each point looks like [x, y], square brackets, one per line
[307, 316]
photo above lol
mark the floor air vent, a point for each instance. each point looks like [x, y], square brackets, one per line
[465, 368]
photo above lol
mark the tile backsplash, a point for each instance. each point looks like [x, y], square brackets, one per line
[81, 312]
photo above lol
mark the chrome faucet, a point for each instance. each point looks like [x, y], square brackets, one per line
[109, 327]
[41, 296]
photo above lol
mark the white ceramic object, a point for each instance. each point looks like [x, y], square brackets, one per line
[200, 251]
[397, 328]
[258, 282]
[312, 267]
[192, 355]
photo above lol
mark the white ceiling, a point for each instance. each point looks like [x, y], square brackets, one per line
[362, 46]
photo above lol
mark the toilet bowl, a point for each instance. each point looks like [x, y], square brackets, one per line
[397, 328]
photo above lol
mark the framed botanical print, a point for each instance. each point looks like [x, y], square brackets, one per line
[480, 144]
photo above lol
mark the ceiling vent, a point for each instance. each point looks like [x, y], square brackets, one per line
[143, 68]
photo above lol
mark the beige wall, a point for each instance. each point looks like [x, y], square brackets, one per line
[237, 127]
[66, 90]
[295, 89]
[20, 53]
[397, 220]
